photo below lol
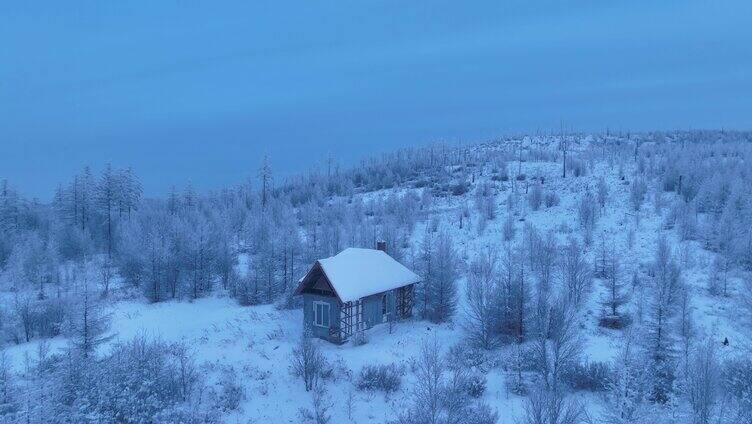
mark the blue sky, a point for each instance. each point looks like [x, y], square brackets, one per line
[188, 90]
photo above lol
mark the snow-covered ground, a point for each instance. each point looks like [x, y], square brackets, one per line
[257, 341]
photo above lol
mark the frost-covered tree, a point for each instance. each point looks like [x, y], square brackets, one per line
[481, 292]
[703, 385]
[602, 192]
[8, 390]
[660, 336]
[626, 399]
[615, 294]
[438, 266]
[485, 202]
[89, 322]
[513, 305]
[198, 253]
[557, 345]
[545, 406]
[576, 273]
[440, 392]
[107, 194]
[588, 214]
[535, 196]
[265, 176]
[131, 192]
[637, 191]
[508, 229]
[225, 258]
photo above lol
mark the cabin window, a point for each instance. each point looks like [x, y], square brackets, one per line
[321, 314]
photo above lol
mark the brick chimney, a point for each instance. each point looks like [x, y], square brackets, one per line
[381, 245]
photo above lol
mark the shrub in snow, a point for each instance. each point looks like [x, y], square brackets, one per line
[592, 376]
[321, 405]
[484, 200]
[141, 380]
[360, 338]
[475, 384]
[602, 192]
[552, 199]
[535, 196]
[479, 413]
[277, 333]
[423, 182]
[550, 406]
[637, 192]
[508, 229]
[460, 188]
[7, 388]
[441, 394]
[230, 392]
[736, 381]
[467, 356]
[576, 166]
[336, 370]
[307, 360]
[500, 170]
[587, 210]
[382, 377]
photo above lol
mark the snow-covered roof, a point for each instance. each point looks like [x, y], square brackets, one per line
[355, 273]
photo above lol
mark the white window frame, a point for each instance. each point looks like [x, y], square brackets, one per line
[322, 319]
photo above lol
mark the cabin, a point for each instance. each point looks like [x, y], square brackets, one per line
[355, 290]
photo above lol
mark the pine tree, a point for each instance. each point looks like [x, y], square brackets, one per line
[89, 321]
[265, 175]
[615, 292]
[107, 195]
[130, 192]
[189, 196]
[660, 340]
[86, 186]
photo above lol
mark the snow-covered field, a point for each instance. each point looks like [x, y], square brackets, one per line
[256, 341]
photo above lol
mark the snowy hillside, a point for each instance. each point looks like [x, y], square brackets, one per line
[583, 277]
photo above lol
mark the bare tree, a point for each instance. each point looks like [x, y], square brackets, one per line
[429, 371]
[602, 192]
[625, 400]
[535, 197]
[637, 192]
[321, 405]
[545, 406]
[513, 303]
[508, 228]
[106, 274]
[307, 360]
[703, 383]
[558, 345]
[7, 388]
[588, 214]
[576, 273]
